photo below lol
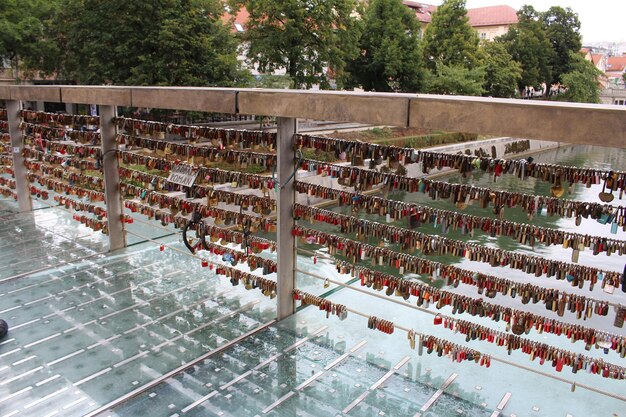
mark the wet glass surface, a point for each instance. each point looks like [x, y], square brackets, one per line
[88, 331]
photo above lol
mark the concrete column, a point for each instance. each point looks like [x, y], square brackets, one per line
[110, 167]
[17, 145]
[40, 106]
[287, 127]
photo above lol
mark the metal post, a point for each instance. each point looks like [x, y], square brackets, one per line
[17, 145]
[287, 127]
[110, 167]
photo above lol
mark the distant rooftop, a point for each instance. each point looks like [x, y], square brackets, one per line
[492, 16]
[423, 11]
[481, 16]
[616, 63]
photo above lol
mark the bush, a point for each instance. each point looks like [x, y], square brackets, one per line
[439, 139]
[310, 153]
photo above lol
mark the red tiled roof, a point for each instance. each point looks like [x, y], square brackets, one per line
[595, 58]
[492, 16]
[482, 16]
[241, 18]
[423, 11]
[616, 63]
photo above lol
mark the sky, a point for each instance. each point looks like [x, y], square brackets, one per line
[601, 20]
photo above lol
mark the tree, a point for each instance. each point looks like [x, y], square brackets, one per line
[23, 40]
[449, 39]
[582, 81]
[456, 79]
[502, 73]
[528, 44]
[305, 38]
[390, 57]
[562, 28]
[153, 42]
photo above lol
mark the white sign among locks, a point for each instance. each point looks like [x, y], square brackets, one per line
[183, 175]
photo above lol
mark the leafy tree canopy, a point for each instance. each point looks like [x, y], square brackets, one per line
[24, 25]
[529, 45]
[456, 79]
[152, 42]
[562, 28]
[390, 57]
[502, 73]
[307, 38]
[449, 39]
[582, 80]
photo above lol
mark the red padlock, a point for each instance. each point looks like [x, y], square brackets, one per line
[162, 248]
[205, 263]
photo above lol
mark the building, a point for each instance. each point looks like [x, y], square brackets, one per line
[615, 69]
[600, 61]
[424, 12]
[490, 22]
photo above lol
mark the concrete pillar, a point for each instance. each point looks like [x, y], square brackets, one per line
[110, 167]
[40, 106]
[287, 127]
[17, 145]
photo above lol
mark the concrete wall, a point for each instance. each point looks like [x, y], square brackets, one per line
[575, 123]
[491, 32]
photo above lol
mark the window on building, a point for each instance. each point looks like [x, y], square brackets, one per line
[483, 36]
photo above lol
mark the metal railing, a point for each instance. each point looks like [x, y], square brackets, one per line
[563, 122]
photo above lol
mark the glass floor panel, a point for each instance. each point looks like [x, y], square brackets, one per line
[333, 370]
[90, 331]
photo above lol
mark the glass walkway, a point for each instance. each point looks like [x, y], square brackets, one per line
[150, 332]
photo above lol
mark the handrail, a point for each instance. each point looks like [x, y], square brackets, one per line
[575, 123]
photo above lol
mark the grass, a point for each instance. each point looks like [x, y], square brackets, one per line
[310, 153]
[250, 169]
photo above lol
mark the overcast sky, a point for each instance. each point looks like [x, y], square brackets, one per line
[601, 20]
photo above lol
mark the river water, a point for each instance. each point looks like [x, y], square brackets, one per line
[578, 156]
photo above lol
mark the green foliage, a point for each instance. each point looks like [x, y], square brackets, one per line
[456, 79]
[25, 26]
[270, 81]
[529, 45]
[439, 139]
[143, 168]
[378, 132]
[562, 28]
[390, 57]
[582, 81]
[93, 173]
[303, 37]
[502, 73]
[152, 42]
[319, 155]
[250, 168]
[449, 39]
